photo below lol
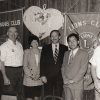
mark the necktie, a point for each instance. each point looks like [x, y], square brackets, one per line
[56, 54]
[71, 57]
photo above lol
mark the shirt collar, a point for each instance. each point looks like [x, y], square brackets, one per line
[74, 51]
[55, 44]
[11, 42]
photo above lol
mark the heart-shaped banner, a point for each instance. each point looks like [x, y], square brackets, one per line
[41, 22]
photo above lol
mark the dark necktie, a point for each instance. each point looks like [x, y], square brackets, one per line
[56, 54]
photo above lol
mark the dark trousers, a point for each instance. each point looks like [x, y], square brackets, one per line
[14, 74]
[54, 86]
[1, 84]
[89, 94]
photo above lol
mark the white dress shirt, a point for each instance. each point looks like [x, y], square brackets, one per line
[12, 54]
[54, 46]
[95, 60]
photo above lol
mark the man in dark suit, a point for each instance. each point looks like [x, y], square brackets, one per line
[50, 65]
[74, 68]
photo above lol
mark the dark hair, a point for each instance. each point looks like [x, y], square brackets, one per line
[71, 35]
[31, 38]
[55, 31]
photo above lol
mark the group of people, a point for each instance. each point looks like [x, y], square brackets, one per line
[57, 68]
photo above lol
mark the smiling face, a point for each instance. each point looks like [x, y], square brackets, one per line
[73, 43]
[55, 37]
[34, 44]
[12, 33]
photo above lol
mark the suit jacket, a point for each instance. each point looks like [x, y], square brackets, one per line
[31, 69]
[77, 69]
[48, 67]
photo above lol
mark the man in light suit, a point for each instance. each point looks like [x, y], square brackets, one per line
[74, 68]
[50, 65]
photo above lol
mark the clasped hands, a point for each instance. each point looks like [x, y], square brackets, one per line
[67, 82]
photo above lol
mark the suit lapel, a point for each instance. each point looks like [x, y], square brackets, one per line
[51, 52]
[76, 55]
[68, 55]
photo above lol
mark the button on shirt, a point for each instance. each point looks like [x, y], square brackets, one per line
[12, 54]
[95, 60]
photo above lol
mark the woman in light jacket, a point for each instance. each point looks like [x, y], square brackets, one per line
[31, 65]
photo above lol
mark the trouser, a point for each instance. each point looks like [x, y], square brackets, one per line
[73, 92]
[14, 74]
[89, 94]
[1, 83]
[97, 95]
[54, 86]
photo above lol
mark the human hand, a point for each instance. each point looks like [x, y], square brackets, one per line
[6, 81]
[43, 79]
[86, 77]
[69, 82]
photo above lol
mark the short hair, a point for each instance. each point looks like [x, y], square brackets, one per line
[57, 31]
[31, 38]
[11, 27]
[71, 35]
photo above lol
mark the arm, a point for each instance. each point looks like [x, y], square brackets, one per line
[65, 79]
[2, 59]
[6, 80]
[25, 64]
[42, 65]
[83, 69]
[93, 72]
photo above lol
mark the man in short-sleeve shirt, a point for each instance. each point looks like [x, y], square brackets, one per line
[95, 61]
[12, 61]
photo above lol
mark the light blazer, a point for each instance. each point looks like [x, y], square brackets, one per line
[77, 69]
[31, 69]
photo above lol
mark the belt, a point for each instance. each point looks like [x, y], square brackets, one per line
[13, 67]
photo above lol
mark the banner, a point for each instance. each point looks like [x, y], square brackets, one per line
[87, 25]
[11, 18]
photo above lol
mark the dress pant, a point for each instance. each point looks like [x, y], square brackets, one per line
[73, 92]
[89, 94]
[1, 84]
[14, 74]
[97, 95]
[54, 86]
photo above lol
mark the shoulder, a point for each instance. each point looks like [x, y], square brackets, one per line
[18, 43]
[27, 51]
[83, 52]
[46, 47]
[97, 48]
[64, 46]
[4, 45]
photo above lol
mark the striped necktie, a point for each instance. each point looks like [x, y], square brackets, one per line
[56, 54]
[71, 58]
